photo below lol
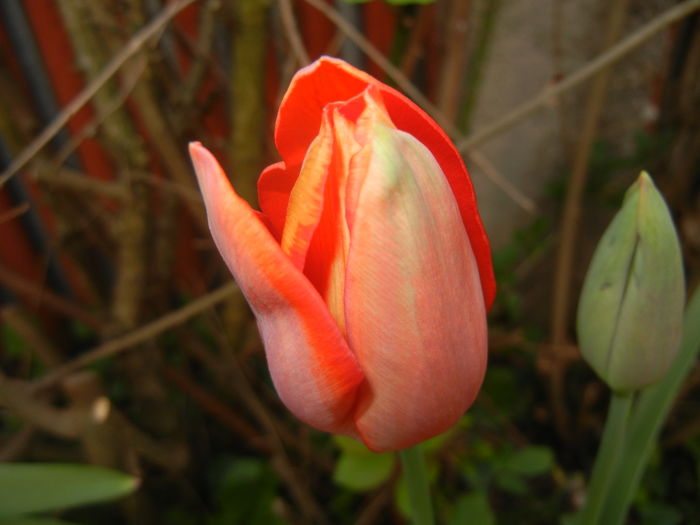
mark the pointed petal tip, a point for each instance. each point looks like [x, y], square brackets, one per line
[199, 154]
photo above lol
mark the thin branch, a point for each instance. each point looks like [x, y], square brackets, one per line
[217, 409]
[70, 179]
[487, 167]
[570, 219]
[144, 333]
[412, 91]
[292, 30]
[129, 50]
[89, 130]
[13, 447]
[42, 297]
[17, 396]
[394, 72]
[15, 212]
[603, 60]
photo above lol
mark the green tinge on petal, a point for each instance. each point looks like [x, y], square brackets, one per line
[630, 311]
[415, 313]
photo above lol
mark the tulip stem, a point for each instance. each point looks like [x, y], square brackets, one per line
[413, 462]
[611, 448]
[650, 412]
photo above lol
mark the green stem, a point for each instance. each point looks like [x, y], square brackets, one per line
[415, 472]
[608, 455]
[649, 415]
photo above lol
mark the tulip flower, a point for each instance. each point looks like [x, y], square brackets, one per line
[368, 268]
[630, 314]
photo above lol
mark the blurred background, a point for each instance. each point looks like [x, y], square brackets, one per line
[124, 343]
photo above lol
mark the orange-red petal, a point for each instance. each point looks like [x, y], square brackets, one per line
[274, 186]
[315, 373]
[415, 315]
[330, 80]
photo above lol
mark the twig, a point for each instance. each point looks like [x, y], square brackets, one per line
[18, 397]
[483, 40]
[45, 350]
[455, 58]
[292, 31]
[67, 178]
[247, 86]
[569, 223]
[144, 333]
[16, 444]
[394, 72]
[129, 50]
[15, 212]
[276, 433]
[200, 53]
[220, 411]
[43, 297]
[405, 84]
[187, 193]
[91, 128]
[491, 172]
[603, 60]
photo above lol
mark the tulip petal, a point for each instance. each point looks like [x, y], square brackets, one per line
[315, 373]
[274, 186]
[329, 80]
[415, 315]
[307, 198]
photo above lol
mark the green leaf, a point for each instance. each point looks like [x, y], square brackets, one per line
[511, 482]
[474, 509]
[245, 494]
[37, 487]
[353, 446]
[12, 342]
[363, 471]
[434, 443]
[530, 461]
[32, 521]
[401, 497]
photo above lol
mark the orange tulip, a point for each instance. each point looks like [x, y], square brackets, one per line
[368, 269]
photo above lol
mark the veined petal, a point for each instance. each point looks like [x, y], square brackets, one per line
[415, 315]
[307, 198]
[274, 186]
[301, 109]
[315, 373]
[328, 80]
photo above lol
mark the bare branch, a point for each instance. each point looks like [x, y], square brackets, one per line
[128, 51]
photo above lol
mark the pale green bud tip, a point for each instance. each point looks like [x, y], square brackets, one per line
[631, 308]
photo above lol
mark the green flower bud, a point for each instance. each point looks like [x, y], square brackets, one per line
[630, 313]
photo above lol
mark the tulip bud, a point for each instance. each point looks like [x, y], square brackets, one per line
[631, 308]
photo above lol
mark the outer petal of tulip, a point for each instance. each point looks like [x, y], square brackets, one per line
[274, 186]
[414, 309]
[314, 372]
[328, 80]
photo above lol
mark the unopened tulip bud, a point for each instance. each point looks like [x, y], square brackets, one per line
[631, 308]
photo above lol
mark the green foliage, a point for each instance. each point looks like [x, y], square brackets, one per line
[11, 342]
[530, 461]
[401, 497]
[526, 243]
[473, 508]
[246, 489]
[358, 468]
[32, 521]
[27, 488]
